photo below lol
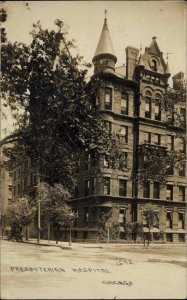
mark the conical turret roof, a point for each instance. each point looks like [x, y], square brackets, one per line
[105, 45]
[141, 61]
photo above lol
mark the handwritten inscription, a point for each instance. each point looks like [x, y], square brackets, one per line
[117, 282]
[59, 270]
[124, 261]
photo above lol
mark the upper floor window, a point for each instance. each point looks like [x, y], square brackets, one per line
[170, 142]
[182, 145]
[87, 188]
[121, 215]
[122, 187]
[181, 193]
[156, 190]
[87, 161]
[183, 116]
[148, 105]
[93, 185]
[86, 215]
[123, 163]
[147, 137]
[146, 190]
[108, 98]
[169, 192]
[169, 222]
[181, 219]
[157, 139]
[124, 103]
[182, 169]
[124, 133]
[157, 108]
[106, 185]
[77, 165]
[108, 127]
[154, 66]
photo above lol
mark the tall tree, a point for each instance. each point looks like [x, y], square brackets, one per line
[54, 107]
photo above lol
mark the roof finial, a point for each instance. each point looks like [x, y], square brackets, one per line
[141, 48]
[105, 13]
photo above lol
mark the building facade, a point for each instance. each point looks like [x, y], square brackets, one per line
[130, 100]
[132, 108]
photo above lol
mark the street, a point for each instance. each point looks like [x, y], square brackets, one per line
[92, 272]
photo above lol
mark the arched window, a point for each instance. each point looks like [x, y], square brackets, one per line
[148, 96]
[158, 107]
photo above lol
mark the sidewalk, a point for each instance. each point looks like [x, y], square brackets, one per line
[65, 245]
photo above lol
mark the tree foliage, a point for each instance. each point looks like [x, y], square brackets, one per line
[53, 105]
[23, 212]
[54, 203]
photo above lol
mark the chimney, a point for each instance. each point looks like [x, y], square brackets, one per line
[131, 60]
[178, 81]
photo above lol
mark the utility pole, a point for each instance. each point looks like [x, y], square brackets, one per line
[39, 213]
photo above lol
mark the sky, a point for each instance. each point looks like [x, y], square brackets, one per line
[131, 23]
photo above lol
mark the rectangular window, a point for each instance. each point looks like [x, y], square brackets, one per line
[124, 133]
[19, 189]
[182, 169]
[26, 165]
[108, 126]
[124, 103]
[19, 173]
[158, 111]
[108, 98]
[122, 187]
[181, 193]
[121, 216]
[77, 165]
[183, 116]
[156, 190]
[76, 191]
[169, 222]
[106, 186]
[146, 190]
[170, 170]
[87, 188]
[157, 139]
[87, 162]
[148, 107]
[93, 186]
[105, 163]
[182, 145]
[169, 192]
[123, 163]
[147, 137]
[170, 142]
[181, 219]
[86, 215]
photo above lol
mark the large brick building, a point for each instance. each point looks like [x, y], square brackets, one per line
[130, 101]
[131, 108]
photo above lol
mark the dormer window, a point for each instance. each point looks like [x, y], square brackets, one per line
[154, 65]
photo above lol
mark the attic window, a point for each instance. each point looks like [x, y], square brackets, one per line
[154, 65]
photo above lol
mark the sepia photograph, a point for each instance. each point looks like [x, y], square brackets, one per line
[93, 150]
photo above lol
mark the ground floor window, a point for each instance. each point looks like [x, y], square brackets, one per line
[169, 237]
[181, 237]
